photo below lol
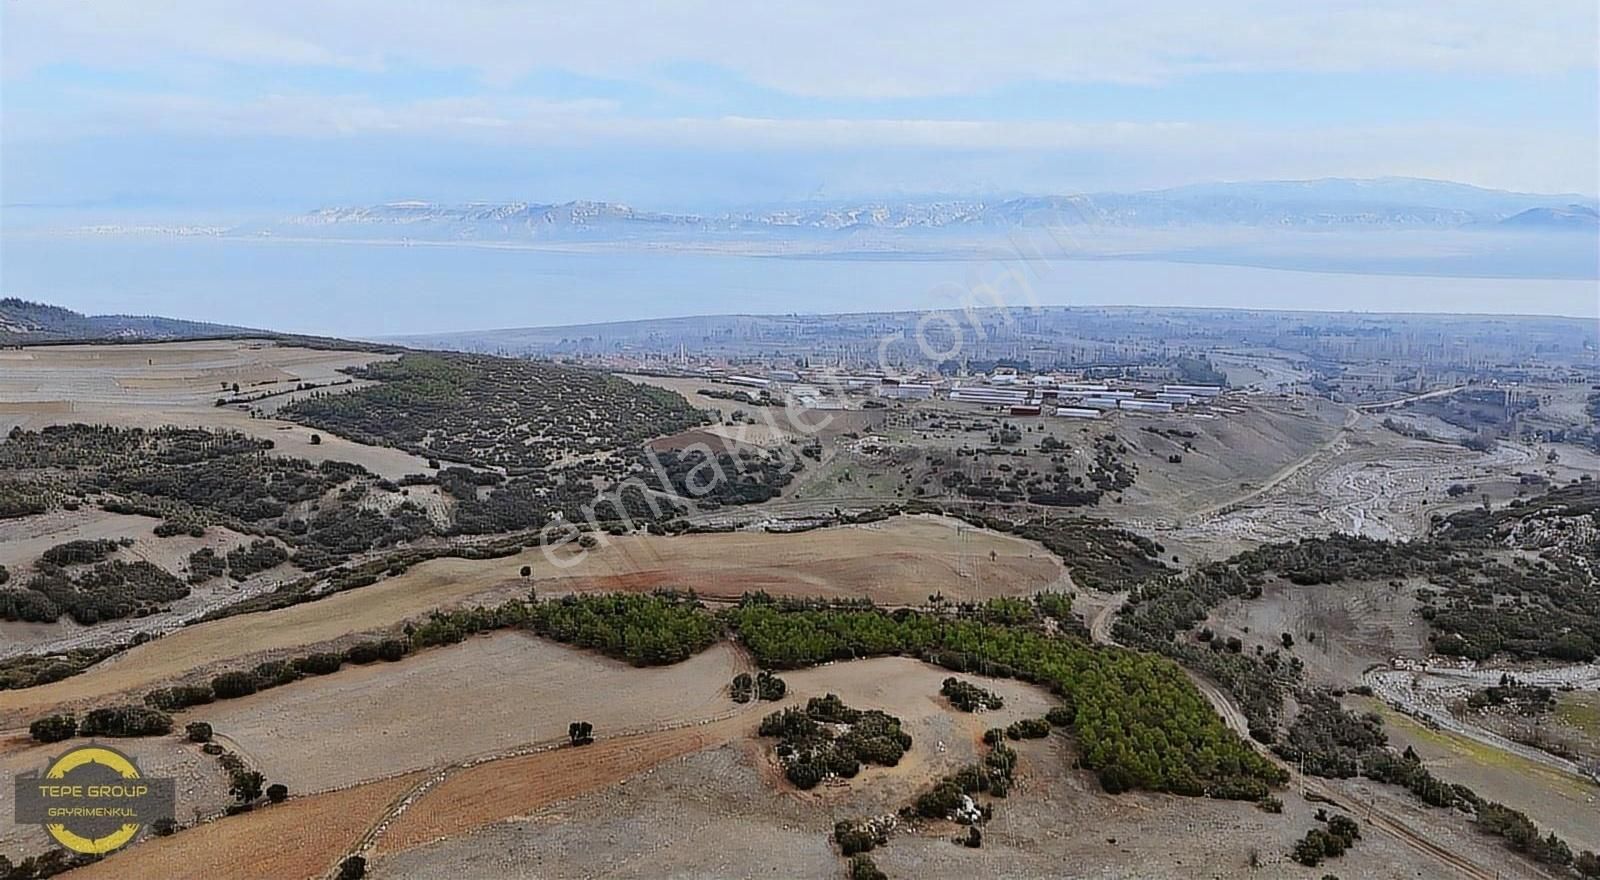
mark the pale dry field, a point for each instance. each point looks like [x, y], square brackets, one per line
[690, 389]
[711, 812]
[489, 694]
[944, 739]
[899, 561]
[896, 562]
[177, 383]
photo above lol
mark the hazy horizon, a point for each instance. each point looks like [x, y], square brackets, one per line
[235, 118]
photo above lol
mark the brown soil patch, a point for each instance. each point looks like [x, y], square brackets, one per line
[500, 790]
[303, 838]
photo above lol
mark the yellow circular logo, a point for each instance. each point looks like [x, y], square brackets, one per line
[93, 799]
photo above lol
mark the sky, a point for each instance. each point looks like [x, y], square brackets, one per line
[216, 107]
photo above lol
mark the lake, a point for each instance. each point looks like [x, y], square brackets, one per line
[367, 290]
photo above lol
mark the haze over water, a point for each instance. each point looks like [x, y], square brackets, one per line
[374, 290]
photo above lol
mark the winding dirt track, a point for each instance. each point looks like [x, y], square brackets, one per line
[1350, 420]
[1234, 717]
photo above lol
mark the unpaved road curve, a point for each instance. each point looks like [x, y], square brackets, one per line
[1350, 420]
[1234, 718]
[1411, 693]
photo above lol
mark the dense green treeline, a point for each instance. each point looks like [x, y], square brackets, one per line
[645, 630]
[1139, 721]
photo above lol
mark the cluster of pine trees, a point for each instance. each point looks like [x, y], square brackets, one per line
[1138, 720]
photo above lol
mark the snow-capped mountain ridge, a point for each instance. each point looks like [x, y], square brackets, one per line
[1319, 204]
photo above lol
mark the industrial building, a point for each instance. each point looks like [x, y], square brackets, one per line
[991, 396]
[905, 391]
[1077, 412]
[1195, 390]
[1150, 406]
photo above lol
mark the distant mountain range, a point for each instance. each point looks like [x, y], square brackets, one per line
[1576, 217]
[1390, 203]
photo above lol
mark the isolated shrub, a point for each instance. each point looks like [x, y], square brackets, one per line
[53, 728]
[353, 868]
[198, 731]
[580, 733]
[770, 687]
[277, 792]
[853, 839]
[1028, 728]
[968, 697]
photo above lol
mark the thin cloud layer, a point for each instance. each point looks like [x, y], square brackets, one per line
[838, 97]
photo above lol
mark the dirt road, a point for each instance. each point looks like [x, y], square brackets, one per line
[1233, 716]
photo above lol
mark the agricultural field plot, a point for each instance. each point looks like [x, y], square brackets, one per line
[943, 739]
[168, 374]
[202, 785]
[899, 561]
[22, 541]
[1578, 713]
[488, 694]
[178, 383]
[774, 424]
[710, 813]
[690, 389]
[705, 814]
[303, 838]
